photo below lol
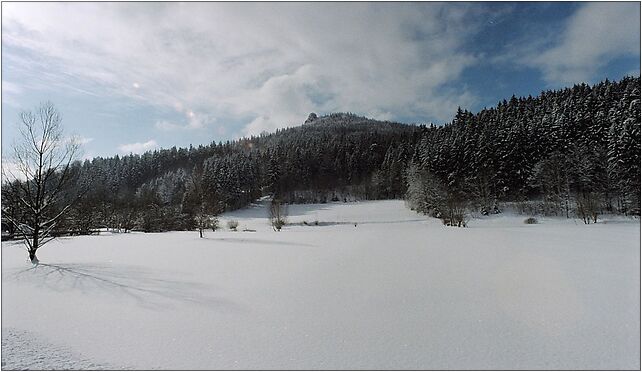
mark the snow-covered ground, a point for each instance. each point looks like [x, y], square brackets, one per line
[398, 291]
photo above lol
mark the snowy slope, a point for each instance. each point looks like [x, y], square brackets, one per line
[398, 291]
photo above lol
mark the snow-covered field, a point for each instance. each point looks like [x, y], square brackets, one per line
[398, 291]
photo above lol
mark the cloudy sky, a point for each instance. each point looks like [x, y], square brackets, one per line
[129, 77]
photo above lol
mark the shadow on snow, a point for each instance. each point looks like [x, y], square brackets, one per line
[260, 241]
[148, 290]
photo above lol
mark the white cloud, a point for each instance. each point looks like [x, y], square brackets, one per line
[193, 121]
[267, 63]
[11, 171]
[10, 93]
[167, 125]
[595, 35]
[138, 147]
[80, 140]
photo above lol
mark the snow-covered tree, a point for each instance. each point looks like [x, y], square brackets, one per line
[198, 206]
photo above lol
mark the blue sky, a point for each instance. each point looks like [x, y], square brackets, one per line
[129, 77]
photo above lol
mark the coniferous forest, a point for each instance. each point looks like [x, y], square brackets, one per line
[573, 152]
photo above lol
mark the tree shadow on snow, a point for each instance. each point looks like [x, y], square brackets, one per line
[145, 288]
[357, 223]
[260, 241]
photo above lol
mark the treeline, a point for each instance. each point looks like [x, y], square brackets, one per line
[576, 151]
[156, 191]
[569, 149]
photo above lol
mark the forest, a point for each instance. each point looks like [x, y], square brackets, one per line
[573, 152]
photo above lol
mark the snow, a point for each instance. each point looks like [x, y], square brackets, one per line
[24, 351]
[398, 291]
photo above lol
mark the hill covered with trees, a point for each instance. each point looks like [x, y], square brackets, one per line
[575, 151]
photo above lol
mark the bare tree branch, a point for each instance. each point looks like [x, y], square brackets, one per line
[44, 161]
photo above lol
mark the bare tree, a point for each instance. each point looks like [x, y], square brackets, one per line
[42, 158]
[588, 204]
[455, 211]
[278, 214]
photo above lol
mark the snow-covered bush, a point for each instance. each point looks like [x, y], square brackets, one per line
[278, 213]
[232, 224]
[278, 224]
[530, 221]
[214, 223]
[457, 218]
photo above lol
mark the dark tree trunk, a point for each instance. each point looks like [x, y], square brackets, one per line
[32, 256]
[35, 241]
[35, 245]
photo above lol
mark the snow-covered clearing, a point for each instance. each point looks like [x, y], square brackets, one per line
[398, 291]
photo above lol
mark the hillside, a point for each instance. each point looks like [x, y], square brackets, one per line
[568, 147]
